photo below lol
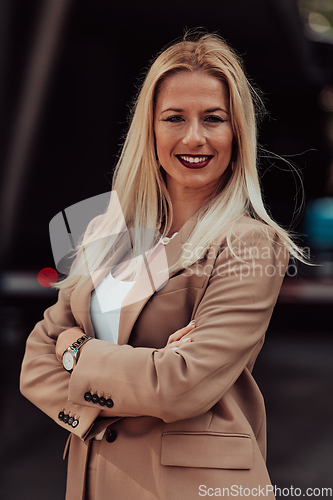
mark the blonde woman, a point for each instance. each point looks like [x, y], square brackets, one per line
[159, 400]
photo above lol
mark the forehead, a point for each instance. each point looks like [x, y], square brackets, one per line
[192, 88]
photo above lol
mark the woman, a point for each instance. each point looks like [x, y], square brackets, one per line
[163, 410]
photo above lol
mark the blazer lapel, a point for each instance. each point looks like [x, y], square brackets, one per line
[80, 301]
[154, 276]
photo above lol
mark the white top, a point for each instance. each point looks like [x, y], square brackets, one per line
[105, 306]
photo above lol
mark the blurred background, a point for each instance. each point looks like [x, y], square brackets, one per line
[69, 70]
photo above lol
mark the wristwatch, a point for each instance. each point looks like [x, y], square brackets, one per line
[69, 357]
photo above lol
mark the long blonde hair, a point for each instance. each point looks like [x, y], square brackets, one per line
[138, 179]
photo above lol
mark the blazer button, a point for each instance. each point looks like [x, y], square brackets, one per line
[102, 401]
[109, 403]
[111, 435]
[75, 423]
[95, 399]
[88, 396]
[70, 420]
[65, 419]
[61, 415]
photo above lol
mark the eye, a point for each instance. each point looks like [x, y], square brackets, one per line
[214, 119]
[174, 119]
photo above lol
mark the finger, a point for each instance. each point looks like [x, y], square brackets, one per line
[180, 333]
[177, 344]
[59, 355]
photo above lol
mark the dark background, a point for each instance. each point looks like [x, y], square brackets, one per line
[68, 73]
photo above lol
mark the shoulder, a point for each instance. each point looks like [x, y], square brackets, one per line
[251, 238]
[247, 226]
[248, 231]
[93, 226]
[96, 222]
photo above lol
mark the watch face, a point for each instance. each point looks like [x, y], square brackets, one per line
[68, 360]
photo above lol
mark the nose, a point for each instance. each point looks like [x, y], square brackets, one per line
[194, 135]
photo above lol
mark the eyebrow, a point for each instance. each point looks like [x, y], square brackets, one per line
[210, 110]
[176, 110]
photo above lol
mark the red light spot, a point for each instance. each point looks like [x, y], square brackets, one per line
[47, 277]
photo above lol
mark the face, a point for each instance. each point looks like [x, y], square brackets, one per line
[193, 132]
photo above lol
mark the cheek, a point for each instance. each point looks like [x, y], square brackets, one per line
[159, 149]
[226, 143]
[157, 137]
[163, 144]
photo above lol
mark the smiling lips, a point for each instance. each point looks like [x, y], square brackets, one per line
[194, 161]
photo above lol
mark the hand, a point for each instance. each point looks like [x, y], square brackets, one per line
[65, 339]
[180, 337]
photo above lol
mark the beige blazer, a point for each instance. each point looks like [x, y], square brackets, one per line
[183, 423]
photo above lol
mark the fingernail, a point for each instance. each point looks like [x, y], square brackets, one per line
[186, 340]
[191, 323]
[174, 348]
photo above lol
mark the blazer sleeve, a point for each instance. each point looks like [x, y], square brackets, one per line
[43, 380]
[231, 321]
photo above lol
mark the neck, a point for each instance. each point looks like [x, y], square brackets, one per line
[185, 204]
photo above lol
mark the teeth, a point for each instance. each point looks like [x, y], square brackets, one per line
[196, 159]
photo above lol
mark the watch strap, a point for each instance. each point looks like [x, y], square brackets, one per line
[79, 343]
